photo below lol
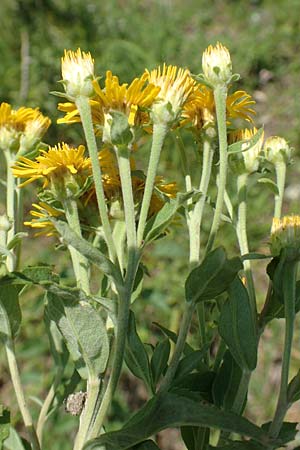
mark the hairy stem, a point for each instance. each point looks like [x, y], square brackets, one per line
[220, 94]
[280, 169]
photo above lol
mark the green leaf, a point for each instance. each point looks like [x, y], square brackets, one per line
[120, 132]
[146, 445]
[4, 425]
[212, 276]
[40, 274]
[195, 438]
[195, 385]
[237, 326]
[293, 394]
[245, 144]
[173, 336]
[251, 256]
[89, 251]
[14, 441]
[158, 223]
[168, 411]
[57, 345]
[10, 312]
[287, 432]
[159, 360]
[136, 356]
[192, 361]
[239, 445]
[227, 382]
[83, 331]
[270, 184]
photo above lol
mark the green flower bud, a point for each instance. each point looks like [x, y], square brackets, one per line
[277, 150]
[216, 65]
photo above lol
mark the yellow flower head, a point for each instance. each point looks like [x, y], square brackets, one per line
[200, 109]
[41, 219]
[246, 161]
[23, 124]
[162, 190]
[176, 86]
[216, 65]
[285, 233]
[77, 70]
[277, 150]
[56, 163]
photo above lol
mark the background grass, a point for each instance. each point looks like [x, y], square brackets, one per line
[126, 36]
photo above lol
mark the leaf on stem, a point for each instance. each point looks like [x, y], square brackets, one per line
[83, 331]
[237, 326]
[168, 411]
[10, 312]
[212, 276]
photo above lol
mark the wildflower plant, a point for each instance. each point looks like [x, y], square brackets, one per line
[95, 199]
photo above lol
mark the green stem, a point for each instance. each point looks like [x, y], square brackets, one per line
[183, 332]
[219, 356]
[80, 263]
[15, 377]
[197, 213]
[122, 328]
[159, 134]
[10, 206]
[19, 221]
[280, 169]
[220, 94]
[202, 328]
[119, 236]
[186, 172]
[128, 202]
[243, 239]
[241, 393]
[88, 414]
[84, 109]
[289, 292]
[47, 404]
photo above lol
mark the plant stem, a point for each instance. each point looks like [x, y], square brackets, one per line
[80, 263]
[125, 175]
[15, 377]
[241, 393]
[243, 239]
[186, 172]
[280, 169]
[159, 133]
[183, 331]
[197, 213]
[289, 292]
[84, 109]
[122, 327]
[220, 94]
[10, 207]
[46, 405]
[88, 414]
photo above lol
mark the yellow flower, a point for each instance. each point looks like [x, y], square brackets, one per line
[55, 163]
[24, 124]
[277, 150]
[176, 85]
[130, 100]
[41, 219]
[246, 161]
[200, 109]
[285, 233]
[162, 190]
[216, 65]
[77, 70]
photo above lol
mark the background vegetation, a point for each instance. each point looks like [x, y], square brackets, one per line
[126, 36]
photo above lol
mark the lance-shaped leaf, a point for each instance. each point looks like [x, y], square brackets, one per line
[10, 312]
[146, 445]
[159, 360]
[158, 223]
[237, 326]
[83, 331]
[168, 411]
[245, 144]
[4, 425]
[136, 356]
[212, 276]
[89, 251]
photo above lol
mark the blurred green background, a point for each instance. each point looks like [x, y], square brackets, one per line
[126, 36]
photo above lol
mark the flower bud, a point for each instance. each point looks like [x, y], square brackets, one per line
[285, 233]
[277, 150]
[34, 131]
[77, 70]
[246, 161]
[216, 65]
